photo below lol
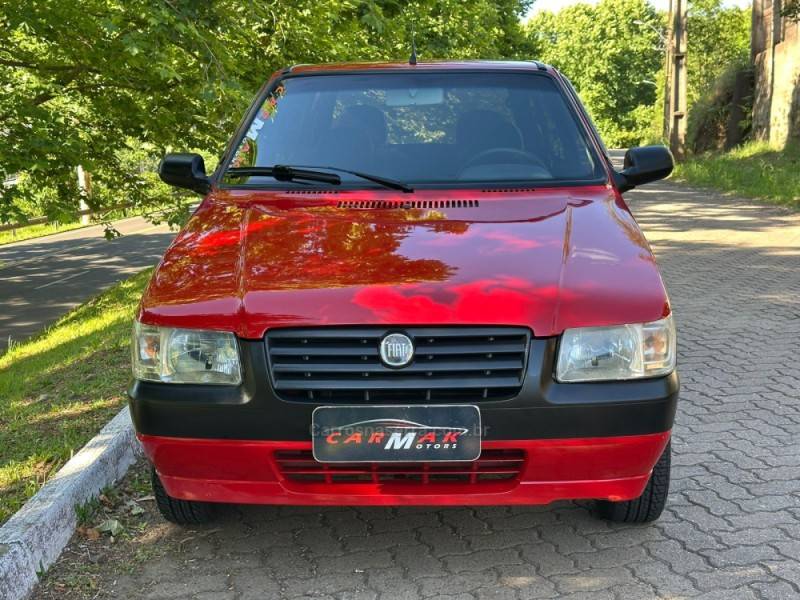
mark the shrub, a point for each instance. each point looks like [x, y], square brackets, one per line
[710, 116]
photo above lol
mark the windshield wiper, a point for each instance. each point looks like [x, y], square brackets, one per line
[384, 181]
[308, 172]
[284, 173]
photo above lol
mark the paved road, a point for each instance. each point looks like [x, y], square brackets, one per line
[732, 528]
[43, 278]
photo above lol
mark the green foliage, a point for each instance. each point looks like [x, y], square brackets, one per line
[718, 41]
[114, 84]
[34, 231]
[611, 52]
[709, 115]
[719, 48]
[86, 512]
[719, 36]
[614, 55]
[755, 170]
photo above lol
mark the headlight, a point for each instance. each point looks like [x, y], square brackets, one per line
[172, 355]
[613, 353]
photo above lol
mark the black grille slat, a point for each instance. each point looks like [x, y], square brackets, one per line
[451, 349]
[392, 383]
[372, 350]
[451, 364]
[321, 333]
[310, 333]
[419, 367]
[311, 350]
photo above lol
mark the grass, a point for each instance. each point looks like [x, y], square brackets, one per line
[34, 231]
[43, 229]
[755, 170]
[58, 389]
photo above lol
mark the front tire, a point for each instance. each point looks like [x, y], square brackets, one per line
[180, 512]
[647, 507]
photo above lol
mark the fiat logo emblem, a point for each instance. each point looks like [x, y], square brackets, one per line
[397, 350]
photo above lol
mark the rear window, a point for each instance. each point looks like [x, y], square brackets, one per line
[421, 128]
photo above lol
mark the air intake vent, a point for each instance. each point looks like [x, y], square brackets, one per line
[450, 364]
[407, 204]
[508, 190]
[312, 192]
[492, 466]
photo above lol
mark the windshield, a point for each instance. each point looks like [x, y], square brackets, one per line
[420, 128]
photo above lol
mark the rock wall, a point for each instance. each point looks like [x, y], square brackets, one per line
[776, 56]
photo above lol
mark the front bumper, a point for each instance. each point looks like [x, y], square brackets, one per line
[252, 472]
[580, 440]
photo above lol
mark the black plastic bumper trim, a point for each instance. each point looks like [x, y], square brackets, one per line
[544, 409]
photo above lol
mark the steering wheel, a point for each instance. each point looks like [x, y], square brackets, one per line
[495, 156]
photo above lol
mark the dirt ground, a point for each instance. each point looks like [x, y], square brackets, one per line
[94, 561]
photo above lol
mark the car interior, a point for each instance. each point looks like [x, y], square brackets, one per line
[466, 133]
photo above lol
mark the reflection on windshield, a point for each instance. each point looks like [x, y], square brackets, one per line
[421, 128]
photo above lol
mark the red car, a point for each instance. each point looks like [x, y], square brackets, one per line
[409, 284]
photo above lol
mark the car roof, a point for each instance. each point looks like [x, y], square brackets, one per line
[455, 65]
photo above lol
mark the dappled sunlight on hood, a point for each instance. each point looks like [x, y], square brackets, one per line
[545, 259]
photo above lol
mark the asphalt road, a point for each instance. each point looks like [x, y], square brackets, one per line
[617, 156]
[43, 278]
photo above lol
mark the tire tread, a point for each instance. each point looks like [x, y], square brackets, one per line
[647, 507]
[180, 512]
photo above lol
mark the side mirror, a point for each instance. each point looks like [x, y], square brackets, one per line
[185, 171]
[643, 165]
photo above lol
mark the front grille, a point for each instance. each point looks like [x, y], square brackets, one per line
[338, 364]
[299, 466]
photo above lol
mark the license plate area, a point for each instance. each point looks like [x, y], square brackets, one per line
[403, 434]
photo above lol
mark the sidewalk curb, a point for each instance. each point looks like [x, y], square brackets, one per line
[34, 537]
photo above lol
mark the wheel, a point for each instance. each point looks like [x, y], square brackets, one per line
[180, 512]
[647, 507]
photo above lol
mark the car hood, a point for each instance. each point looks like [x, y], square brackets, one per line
[551, 259]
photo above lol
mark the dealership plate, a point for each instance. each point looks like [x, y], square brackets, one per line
[427, 433]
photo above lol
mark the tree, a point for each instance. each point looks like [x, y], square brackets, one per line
[719, 36]
[612, 53]
[98, 83]
[114, 84]
[719, 46]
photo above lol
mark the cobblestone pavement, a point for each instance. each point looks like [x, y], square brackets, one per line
[732, 526]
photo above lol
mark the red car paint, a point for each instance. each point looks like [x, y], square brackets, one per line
[613, 468]
[548, 259]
